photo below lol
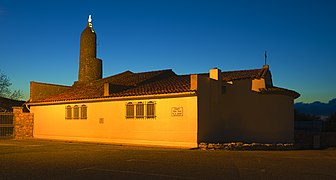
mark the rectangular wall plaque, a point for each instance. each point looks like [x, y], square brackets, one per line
[177, 111]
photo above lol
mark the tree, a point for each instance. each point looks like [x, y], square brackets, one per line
[5, 90]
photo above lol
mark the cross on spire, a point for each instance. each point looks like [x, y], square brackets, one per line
[265, 58]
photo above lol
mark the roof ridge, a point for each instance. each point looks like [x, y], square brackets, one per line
[262, 73]
[163, 70]
[243, 70]
[162, 74]
[125, 72]
[50, 84]
[231, 71]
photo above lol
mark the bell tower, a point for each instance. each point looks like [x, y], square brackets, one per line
[90, 67]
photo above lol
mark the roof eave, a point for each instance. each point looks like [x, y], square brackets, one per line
[120, 98]
[280, 91]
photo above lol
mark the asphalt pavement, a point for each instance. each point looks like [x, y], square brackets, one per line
[42, 159]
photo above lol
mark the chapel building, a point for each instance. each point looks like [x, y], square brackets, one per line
[162, 107]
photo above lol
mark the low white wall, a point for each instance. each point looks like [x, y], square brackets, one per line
[238, 114]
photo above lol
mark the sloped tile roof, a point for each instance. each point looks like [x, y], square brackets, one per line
[145, 83]
[280, 91]
[173, 84]
[128, 84]
[244, 74]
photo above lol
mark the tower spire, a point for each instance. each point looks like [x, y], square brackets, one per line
[90, 67]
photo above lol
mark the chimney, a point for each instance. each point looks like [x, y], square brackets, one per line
[106, 89]
[215, 74]
[193, 81]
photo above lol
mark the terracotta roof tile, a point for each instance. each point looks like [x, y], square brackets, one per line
[280, 91]
[172, 84]
[126, 84]
[244, 74]
[146, 83]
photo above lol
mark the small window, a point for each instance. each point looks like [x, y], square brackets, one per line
[76, 112]
[83, 112]
[129, 110]
[150, 109]
[68, 112]
[140, 110]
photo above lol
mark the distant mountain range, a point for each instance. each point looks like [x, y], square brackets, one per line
[317, 108]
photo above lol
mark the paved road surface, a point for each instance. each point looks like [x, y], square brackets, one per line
[37, 159]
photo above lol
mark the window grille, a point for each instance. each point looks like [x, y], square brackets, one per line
[76, 112]
[150, 109]
[129, 110]
[83, 112]
[68, 112]
[140, 110]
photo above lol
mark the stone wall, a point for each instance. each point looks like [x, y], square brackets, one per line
[23, 124]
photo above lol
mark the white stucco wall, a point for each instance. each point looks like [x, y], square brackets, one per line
[165, 129]
[238, 114]
[252, 117]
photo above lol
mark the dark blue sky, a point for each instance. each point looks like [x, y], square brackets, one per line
[40, 39]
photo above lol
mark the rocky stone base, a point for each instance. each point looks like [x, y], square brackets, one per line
[239, 146]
